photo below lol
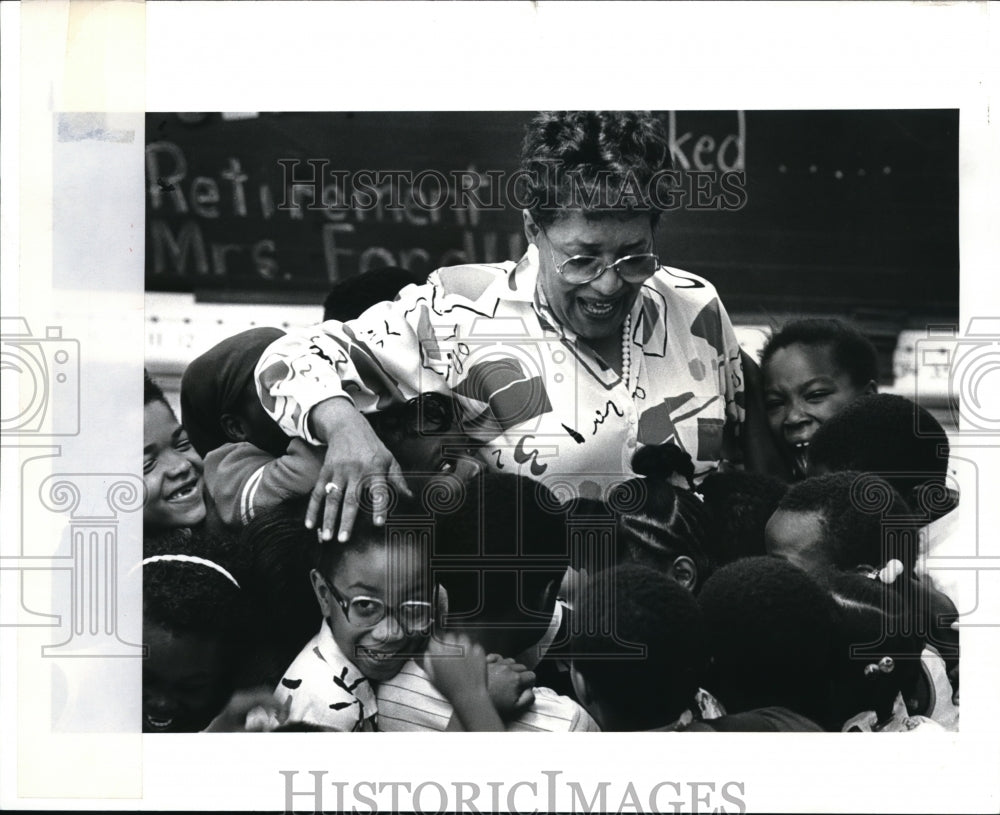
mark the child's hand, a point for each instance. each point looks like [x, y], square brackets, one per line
[250, 711]
[509, 684]
[457, 667]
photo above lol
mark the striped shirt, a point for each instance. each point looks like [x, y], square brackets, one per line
[410, 702]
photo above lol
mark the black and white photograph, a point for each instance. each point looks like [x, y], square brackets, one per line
[554, 422]
[631, 404]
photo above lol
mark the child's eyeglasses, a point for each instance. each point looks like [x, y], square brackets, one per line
[415, 616]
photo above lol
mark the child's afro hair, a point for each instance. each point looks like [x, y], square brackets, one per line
[281, 551]
[854, 508]
[852, 352]
[771, 631]
[185, 597]
[738, 505]
[630, 605]
[326, 555]
[501, 542]
[890, 435]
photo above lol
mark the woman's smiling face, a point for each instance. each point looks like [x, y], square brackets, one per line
[597, 309]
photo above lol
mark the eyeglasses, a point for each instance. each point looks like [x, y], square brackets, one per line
[415, 616]
[580, 269]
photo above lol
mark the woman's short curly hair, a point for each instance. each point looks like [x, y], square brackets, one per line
[601, 161]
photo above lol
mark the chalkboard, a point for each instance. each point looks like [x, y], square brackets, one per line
[832, 208]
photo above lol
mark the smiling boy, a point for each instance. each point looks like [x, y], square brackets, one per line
[171, 468]
[812, 369]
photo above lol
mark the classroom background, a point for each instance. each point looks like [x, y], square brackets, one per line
[851, 214]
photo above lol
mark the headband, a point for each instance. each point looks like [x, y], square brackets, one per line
[200, 561]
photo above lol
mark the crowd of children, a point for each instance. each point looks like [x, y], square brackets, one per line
[744, 602]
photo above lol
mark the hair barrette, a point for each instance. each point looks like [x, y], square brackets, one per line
[886, 665]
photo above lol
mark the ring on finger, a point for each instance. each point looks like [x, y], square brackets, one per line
[330, 487]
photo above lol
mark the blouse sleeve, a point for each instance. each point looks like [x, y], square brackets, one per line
[734, 381]
[389, 354]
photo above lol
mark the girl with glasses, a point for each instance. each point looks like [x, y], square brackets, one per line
[378, 608]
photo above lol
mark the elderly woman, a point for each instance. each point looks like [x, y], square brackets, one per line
[563, 363]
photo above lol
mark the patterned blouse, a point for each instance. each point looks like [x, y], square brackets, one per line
[539, 399]
[326, 689]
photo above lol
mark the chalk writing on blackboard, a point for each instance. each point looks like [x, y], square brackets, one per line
[228, 208]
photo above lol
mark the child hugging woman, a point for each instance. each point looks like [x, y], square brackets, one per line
[251, 466]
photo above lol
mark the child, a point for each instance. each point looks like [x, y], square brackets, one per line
[811, 370]
[628, 606]
[880, 657]
[424, 436]
[889, 435]
[171, 468]
[823, 522]
[821, 526]
[219, 403]
[501, 549]
[646, 521]
[378, 606]
[250, 464]
[739, 505]
[771, 632]
[193, 617]
[905, 444]
[664, 527]
[257, 467]
[280, 551]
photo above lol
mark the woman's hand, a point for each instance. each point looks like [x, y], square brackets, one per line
[355, 460]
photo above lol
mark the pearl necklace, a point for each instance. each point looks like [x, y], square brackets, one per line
[627, 350]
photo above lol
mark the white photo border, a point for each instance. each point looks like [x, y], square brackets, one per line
[124, 58]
